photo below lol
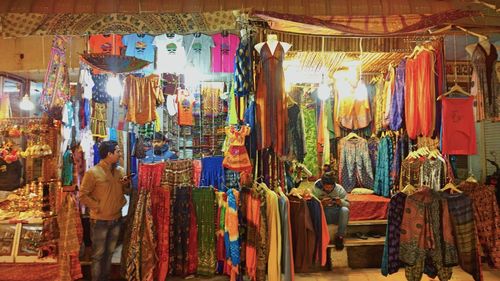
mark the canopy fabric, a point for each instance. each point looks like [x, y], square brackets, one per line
[359, 25]
[20, 24]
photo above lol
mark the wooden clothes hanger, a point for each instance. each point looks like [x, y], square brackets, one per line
[409, 189]
[352, 135]
[456, 89]
[450, 186]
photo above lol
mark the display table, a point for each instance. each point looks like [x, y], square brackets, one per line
[367, 207]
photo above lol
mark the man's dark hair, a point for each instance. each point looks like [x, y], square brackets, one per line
[328, 178]
[107, 147]
[159, 136]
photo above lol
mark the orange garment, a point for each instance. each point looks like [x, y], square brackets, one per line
[185, 104]
[253, 218]
[353, 108]
[236, 157]
[141, 96]
[426, 92]
[105, 44]
[411, 103]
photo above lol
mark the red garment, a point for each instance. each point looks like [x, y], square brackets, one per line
[426, 89]
[105, 44]
[271, 106]
[236, 157]
[411, 104]
[459, 132]
[325, 237]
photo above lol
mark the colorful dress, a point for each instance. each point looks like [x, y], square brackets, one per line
[236, 157]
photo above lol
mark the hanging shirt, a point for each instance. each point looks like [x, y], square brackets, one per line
[86, 82]
[105, 44]
[459, 132]
[397, 104]
[185, 107]
[141, 47]
[170, 53]
[141, 96]
[198, 48]
[99, 91]
[224, 51]
[243, 76]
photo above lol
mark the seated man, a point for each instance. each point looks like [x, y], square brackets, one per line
[334, 200]
[160, 151]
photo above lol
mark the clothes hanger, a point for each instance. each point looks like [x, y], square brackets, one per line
[352, 135]
[456, 89]
[450, 186]
[409, 189]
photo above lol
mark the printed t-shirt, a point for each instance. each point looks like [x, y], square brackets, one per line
[224, 52]
[171, 56]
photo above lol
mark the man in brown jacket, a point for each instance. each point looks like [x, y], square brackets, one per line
[102, 191]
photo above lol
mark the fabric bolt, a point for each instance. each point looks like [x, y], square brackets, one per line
[231, 233]
[271, 110]
[464, 231]
[383, 180]
[390, 259]
[296, 136]
[170, 53]
[198, 48]
[243, 72]
[487, 219]
[236, 157]
[398, 102]
[355, 167]
[141, 96]
[303, 235]
[212, 172]
[459, 131]
[204, 204]
[426, 231]
[223, 52]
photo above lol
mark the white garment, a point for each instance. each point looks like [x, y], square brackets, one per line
[170, 54]
[172, 104]
[87, 144]
[87, 83]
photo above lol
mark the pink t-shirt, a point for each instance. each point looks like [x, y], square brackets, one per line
[224, 51]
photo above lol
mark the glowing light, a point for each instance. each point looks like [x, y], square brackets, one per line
[114, 87]
[361, 92]
[26, 104]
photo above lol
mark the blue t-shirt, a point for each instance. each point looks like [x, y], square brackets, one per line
[141, 47]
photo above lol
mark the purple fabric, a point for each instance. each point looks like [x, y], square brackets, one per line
[397, 103]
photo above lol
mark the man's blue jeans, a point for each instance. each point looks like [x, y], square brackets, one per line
[104, 238]
[339, 216]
